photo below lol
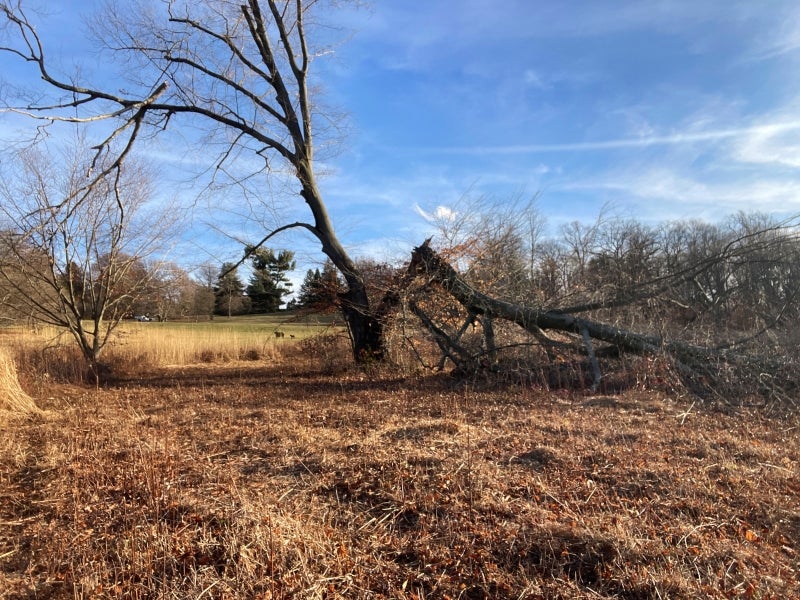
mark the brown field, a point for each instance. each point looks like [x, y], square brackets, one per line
[295, 476]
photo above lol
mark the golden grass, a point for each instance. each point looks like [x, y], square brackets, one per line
[152, 344]
[13, 398]
[50, 354]
[282, 480]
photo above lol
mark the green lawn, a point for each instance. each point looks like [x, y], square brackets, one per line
[296, 324]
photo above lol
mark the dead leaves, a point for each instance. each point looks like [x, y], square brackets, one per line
[323, 488]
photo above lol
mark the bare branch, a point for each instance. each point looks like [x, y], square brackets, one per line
[265, 239]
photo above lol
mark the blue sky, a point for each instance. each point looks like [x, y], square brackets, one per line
[661, 109]
[666, 110]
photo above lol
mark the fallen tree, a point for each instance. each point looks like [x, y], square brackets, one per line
[433, 273]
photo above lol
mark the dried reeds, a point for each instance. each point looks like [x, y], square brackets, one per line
[12, 397]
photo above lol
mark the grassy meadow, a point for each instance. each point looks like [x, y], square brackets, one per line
[136, 345]
[219, 340]
[221, 462]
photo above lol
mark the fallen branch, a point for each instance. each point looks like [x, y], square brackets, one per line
[425, 261]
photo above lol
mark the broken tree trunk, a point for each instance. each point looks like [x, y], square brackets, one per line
[425, 261]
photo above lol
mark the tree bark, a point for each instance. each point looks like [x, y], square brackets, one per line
[364, 325]
[366, 329]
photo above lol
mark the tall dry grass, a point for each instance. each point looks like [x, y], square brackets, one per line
[176, 346]
[13, 398]
[44, 355]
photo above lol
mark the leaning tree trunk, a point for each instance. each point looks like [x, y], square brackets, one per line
[426, 261]
[366, 328]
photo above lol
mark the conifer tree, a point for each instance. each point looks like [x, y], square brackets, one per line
[269, 284]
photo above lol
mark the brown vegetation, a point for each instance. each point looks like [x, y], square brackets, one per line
[282, 480]
[13, 398]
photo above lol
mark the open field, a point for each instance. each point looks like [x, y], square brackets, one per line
[288, 321]
[245, 337]
[289, 478]
[138, 345]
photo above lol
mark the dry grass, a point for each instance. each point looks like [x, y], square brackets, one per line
[154, 344]
[248, 480]
[50, 354]
[13, 399]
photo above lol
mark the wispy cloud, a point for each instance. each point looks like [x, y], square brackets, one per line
[666, 193]
[440, 213]
[536, 80]
[639, 142]
[770, 147]
[785, 39]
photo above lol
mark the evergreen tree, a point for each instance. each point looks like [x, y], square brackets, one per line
[309, 289]
[320, 290]
[269, 284]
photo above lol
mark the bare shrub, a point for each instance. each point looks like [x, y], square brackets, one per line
[206, 355]
[328, 350]
[250, 354]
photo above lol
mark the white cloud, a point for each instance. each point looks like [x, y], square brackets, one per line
[535, 80]
[783, 39]
[672, 139]
[441, 213]
[768, 146]
[541, 169]
[666, 193]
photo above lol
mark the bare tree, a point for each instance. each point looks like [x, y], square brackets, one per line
[204, 276]
[69, 258]
[169, 293]
[241, 70]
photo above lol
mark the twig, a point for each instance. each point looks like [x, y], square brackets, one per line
[685, 414]
[771, 466]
